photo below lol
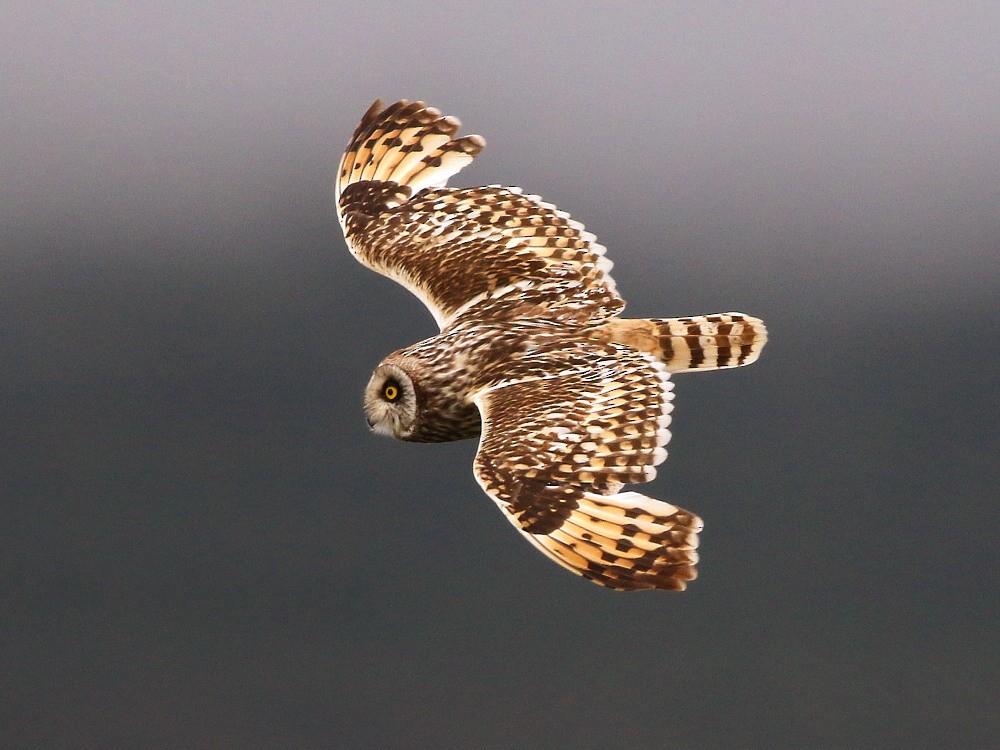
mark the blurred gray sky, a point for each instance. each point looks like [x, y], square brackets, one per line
[201, 545]
[801, 130]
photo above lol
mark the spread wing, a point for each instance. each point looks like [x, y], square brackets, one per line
[455, 247]
[556, 449]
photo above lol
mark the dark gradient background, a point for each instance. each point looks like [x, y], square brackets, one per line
[202, 545]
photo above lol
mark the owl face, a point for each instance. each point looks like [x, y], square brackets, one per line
[391, 402]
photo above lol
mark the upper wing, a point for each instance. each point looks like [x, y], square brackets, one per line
[556, 450]
[452, 247]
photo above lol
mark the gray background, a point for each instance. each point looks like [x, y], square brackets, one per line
[202, 545]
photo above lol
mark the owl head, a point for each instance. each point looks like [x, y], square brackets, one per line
[391, 402]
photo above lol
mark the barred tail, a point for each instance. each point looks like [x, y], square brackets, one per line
[398, 151]
[702, 342]
[710, 342]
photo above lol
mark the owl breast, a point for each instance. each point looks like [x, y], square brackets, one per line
[446, 422]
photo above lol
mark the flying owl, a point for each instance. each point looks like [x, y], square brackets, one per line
[570, 401]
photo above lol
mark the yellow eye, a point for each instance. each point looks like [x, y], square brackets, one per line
[390, 392]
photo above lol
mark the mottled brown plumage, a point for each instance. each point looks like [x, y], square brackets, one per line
[570, 401]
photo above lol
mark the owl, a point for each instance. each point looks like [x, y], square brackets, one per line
[570, 401]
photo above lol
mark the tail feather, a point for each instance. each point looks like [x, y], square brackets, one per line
[402, 149]
[692, 344]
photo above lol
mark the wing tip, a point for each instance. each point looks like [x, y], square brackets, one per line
[407, 143]
[626, 542]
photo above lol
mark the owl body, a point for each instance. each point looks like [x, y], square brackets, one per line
[570, 401]
[447, 370]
